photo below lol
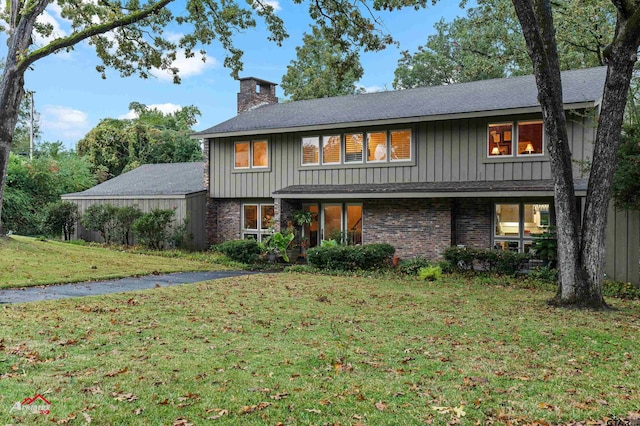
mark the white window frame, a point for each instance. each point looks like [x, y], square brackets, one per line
[319, 140]
[259, 231]
[521, 239]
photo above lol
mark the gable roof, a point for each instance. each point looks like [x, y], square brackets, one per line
[150, 179]
[581, 88]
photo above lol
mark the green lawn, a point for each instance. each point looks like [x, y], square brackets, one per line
[27, 262]
[299, 349]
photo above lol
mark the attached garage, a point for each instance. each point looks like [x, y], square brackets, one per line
[175, 186]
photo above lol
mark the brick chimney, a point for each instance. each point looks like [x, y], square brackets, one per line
[254, 93]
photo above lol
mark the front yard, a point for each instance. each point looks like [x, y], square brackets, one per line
[302, 349]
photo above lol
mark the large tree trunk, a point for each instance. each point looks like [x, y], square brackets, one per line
[621, 55]
[11, 92]
[580, 254]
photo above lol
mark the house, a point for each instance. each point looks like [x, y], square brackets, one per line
[177, 186]
[422, 169]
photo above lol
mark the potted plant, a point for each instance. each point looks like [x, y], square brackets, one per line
[277, 244]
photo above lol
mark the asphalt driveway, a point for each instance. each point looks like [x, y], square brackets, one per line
[63, 291]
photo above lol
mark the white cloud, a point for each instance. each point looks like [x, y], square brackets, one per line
[52, 15]
[64, 122]
[275, 4]
[188, 66]
[167, 108]
[374, 89]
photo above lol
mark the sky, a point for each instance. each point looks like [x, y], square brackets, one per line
[71, 97]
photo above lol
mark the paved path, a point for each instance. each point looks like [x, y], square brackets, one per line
[63, 291]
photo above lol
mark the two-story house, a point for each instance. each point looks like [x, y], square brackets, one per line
[422, 169]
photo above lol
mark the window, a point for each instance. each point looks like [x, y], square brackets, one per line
[254, 154]
[376, 146]
[310, 151]
[333, 221]
[353, 146]
[257, 221]
[349, 148]
[400, 145]
[528, 139]
[517, 224]
[331, 150]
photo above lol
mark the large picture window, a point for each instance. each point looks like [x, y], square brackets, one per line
[353, 148]
[251, 154]
[523, 139]
[340, 221]
[517, 224]
[257, 220]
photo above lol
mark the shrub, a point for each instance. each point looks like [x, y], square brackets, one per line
[412, 266]
[101, 218]
[502, 262]
[545, 247]
[430, 273]
[460, 258]
[620, 290]
[153, 228]
[60, 218]
[350, 258]
[125, 217]
[243, 251]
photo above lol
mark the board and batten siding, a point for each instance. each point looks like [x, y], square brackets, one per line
[192, 206]
[623, 245]
[444, 151]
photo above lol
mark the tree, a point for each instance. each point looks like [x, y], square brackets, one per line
[117, 146]
[488, 43]
[60, 217]
[321, 69]
[626, 182]
[580, 240]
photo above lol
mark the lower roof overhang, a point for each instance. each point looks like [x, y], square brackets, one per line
[483, 189]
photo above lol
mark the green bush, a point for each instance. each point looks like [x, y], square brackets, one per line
[60, 218]
[351, 258]
[243, 251]
[466, 259]
[153, 228]
[620, 290]
[430, 273]
[413, 265]
[125, 217]
[101, 218]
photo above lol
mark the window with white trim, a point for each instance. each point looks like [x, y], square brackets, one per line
[257, 220]
[522, 139]
[251, 154]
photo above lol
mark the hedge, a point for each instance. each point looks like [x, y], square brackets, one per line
[351, 258]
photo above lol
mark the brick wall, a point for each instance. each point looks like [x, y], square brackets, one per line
[254, 92]
[228, 220]
[415, 227]
[285, 209]
[472, 222]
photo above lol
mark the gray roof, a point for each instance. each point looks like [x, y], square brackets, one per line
[486, 97]
[151, 179]
[447, 189]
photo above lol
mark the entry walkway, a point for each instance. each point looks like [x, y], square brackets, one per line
[63, 291]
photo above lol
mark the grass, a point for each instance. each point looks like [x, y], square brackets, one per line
[27, 262]
[302, 349]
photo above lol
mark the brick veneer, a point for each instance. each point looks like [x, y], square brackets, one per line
[229, 214]
[472, 222]
[415, 227]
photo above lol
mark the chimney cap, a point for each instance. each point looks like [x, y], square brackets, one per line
[258, 80]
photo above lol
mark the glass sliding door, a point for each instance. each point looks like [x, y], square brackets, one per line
[331, 222]
[354, 223]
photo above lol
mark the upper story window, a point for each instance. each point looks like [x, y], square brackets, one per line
[251, 155]
[354, 148]
[527, 139]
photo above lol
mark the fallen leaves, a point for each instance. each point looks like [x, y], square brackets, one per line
[124, 397]
[247, 409]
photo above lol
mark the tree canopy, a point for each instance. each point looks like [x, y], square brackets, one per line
[321, 69]
[115, 146]
[488, 43]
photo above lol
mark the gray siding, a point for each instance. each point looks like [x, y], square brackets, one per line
[444, 151]
[192, 206]
[623, 245]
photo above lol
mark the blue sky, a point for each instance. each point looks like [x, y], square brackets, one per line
[72, 98]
